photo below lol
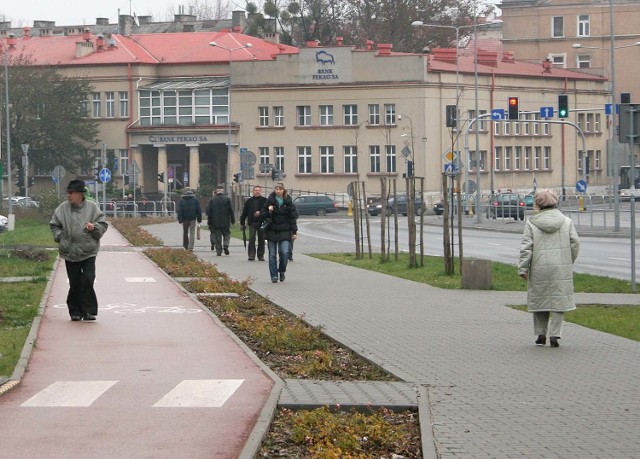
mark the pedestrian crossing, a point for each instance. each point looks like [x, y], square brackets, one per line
[191, 393]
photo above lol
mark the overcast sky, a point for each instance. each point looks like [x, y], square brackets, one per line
[79, 12]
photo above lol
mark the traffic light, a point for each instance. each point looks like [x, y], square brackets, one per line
[451, 116]
[273, 174]
[409, 168]
[563, 106]
[96, 172]
[20, 178]
[161, 177]
[31, 181]
[237, 177]
[514, 110]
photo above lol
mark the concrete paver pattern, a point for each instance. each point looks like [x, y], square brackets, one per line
[154, 376]
[492, 393]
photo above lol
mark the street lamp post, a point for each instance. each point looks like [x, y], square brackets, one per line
[5, 63]
[230, 51]
[612, 150]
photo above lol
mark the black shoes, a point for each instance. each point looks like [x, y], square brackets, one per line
[88, 316]
[76, 318]
[274, 280]
[213, 247]
[553, 341]
[226, 250]
[260, 258]
[290, 258]
[251, 259]
[281, 277]
[542, 340]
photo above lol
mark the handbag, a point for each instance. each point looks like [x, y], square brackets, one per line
[265, 224]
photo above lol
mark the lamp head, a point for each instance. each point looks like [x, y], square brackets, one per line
[213, 43]
[576, 45]
[417, 24]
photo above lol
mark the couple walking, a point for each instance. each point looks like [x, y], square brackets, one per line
[280, 232]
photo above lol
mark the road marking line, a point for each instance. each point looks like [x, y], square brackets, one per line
[70, 393]
[203, 393]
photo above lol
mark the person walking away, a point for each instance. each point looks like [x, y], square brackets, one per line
[77, 226]
[220, 217]
[282, 213]
[189, 212]
[549, 247]
[251, 216]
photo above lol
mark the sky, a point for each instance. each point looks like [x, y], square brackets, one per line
[79, 12]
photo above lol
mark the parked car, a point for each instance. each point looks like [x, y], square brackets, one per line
[529, 200]
[438, 208]
[312, 204]
[376, 207]
[22, 202]
[112, 208]
[4, 223]
[506, 205]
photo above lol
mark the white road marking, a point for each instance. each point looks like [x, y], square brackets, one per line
[70, 393]
[203, 393]
[140, 279]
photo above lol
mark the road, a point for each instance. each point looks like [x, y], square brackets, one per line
[598, 255]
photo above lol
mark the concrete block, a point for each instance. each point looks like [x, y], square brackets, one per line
[476, 274]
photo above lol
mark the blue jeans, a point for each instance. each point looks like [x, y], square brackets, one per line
[279, 249]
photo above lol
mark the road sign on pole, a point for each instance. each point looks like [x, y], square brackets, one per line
[105, 175]
[546, 112]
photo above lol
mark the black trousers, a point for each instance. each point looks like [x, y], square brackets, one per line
[255, 233]
[82, 298]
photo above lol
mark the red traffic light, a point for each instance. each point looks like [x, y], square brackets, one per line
[514, 111]
[513, 101]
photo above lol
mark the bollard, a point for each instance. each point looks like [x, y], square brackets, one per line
[476, 274]
[581, 204]
[350, 209]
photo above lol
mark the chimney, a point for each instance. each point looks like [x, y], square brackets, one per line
[188, 28]
[145, 19]
[384, 49]
[102, 21]
[272, 37]
[125, 24]
[546, 66]
[445, 55]
[27, 32]
[100, 41]
[183, 17]
[83, 48]
[369, 45]
[238, 19]
[339, 41]
[12, 40]
[313, 44]
[86, 34]
[508, 57]
[489, 58]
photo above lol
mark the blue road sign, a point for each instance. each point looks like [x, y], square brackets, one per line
[105, 175]
[450, 169]
[546, 112]
[581, 186]
[607, 109]
[497, 114]
[115, 164]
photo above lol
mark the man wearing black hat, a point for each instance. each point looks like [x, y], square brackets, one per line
[77, 226]
[220, 217]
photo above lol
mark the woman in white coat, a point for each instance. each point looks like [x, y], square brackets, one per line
[549, 247]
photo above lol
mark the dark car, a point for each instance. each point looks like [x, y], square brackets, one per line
[529, 200]
[509, 205]
[376, 208]
[315, 204]
[438, 208]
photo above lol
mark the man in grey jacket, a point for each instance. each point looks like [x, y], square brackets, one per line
[77, 226]
[220, 217]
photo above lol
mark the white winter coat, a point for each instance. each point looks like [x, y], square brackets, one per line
[548, 249]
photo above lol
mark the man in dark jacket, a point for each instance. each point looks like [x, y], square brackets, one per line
[77, 226]
[189, 212]
[251, 216]
[220, 217]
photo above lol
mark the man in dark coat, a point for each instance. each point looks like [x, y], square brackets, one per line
[251, 216]
[220, 217]
[189, 212]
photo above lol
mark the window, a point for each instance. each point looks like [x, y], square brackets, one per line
[516, 128]
[326, 160]
[507, 158]
[558, 60]
[326, 115]
[263, 154]
[546, 128]
[473, 161]
[263, 116]
[536, 124]
[518, 159]
[304, 115]
[278, 117]
[596, 123]
[374, 158]
[497, 156]
[124, 104]
[96, 110]
[185, 108]
[389, 114]
[527, 158]
[374, 114]
[547, 158]
[496, 128]
[304, 160]
[583, 61]
[279, 154]
[597, 160]
[350, 159]
[391, 158]
[350, 114]
[537, 158]
[589, 125]
[583, 25]
[527, 125]
[482, 122]
[507, 128]
[123, 161]
[557, 27]
[169, 102]
[110, 98]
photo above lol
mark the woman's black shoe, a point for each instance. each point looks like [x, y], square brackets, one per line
[76, 318]
[281, 277]
[542, 340]
[553, 341]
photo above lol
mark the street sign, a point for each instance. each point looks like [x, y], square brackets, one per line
[57, 174]
[247, 157]
[248, 173]
[185, 178]
[497, 114]
[405, 152]
[105, 175]
[450, 169]
[265, 168]
[469, 187]
[170, 172]
[581, 186]
[451, 156]
[608, 111]
[546, 112]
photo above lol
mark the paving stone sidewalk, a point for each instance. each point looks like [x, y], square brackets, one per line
[489, 391]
